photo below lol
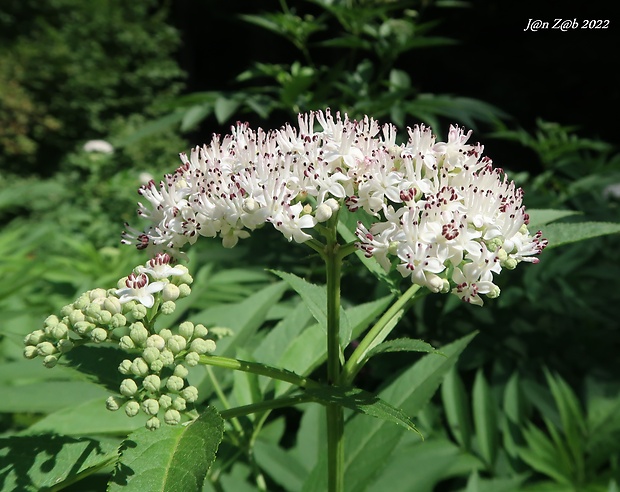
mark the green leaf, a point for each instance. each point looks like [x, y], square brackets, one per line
[224, 108]
[87, 418]
[371, 442]
[151, 128]
[51, 461]
[402, 345]
[98, 364]
[559, 234]
[541, 455]
[195, 115]
[171, 459]
[485, 419]
[362, 402]
[541, 217]
[315, 297]
[456, 406]
[281, 465]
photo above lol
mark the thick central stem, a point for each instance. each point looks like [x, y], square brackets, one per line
[335, 415]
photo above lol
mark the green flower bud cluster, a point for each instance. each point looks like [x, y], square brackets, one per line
[92, 318]
[156, 379]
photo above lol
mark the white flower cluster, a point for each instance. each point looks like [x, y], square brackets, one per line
[447, 218]
[156, 377]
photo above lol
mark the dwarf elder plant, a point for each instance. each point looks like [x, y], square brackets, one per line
[433, 213]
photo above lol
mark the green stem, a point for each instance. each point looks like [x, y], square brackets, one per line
[222, 397]
[377, 334]
[264, 406]
[335, 414]
[260, 369]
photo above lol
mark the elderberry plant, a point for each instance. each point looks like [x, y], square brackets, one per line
[434, 212]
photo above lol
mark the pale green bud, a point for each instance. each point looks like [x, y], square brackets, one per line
[138, 333]
[150, 354]
[323, 213]
[51, 321]
[181, 371]
[50, 361]
[510, 263]
[83, 327]
[495, 243]
[172, 417]
[186, 278]
[165, 401]
[139, 367]
[168, 307]
[65, 345]
[93, 310]
[170, 292]
[125, 367]
[152, 383]
[184, 290]
[129, 305]
[126, 343]
[201, 346]
[495, 292]
[221, 332]
[121, 284]
[167, 357]
[104, 317]
[150, 406]
[445, 288]
[128, 388]
[175, 383]
[192, 359]
[113, 305]
[118, 320]
[523, 229]
[66, 310]
[112, 404]
[200, 331]
[179, 404]
[186, 330]
[46, 348]
[157, 366]
[156, 341]
[165, 333]
[97, 294]
[76, 316]
[176, 343]
[35, 337]
[82, 301]
[132, 408]
[30, 352]
[153, 424]
[99, 335]
[502, 255]
[138, 312]
[190, 394]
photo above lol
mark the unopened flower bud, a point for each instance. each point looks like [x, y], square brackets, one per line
[190, 394]
[82, 302]
[138, 312]
[202, 346]
[176, 343]
[35, 337]
[139, 367]
[30, 352]
[150, 406]
[50, 361]
[126, 343]
[138, 333]
[132, 408]
[150, 354]
[65, 311]
[128, 387]
[99, 335]
[192, 359]
[118, 320]
[97, 294]
[125, 367]
[152, 383]
[113, 305]
[156, 366]
[168, 307]
[65, 345]
[104, 317]
[46, 348]
[51, 321]
[170, 292]
[179, 404]
[165, 401]
[250, 205]
[83, 327]
[181, 371]
[184, 290]
[76, 316]
[186, 330]
[112, 404]
[323, 213]
[510, 263]
[153, 424]
[172, 417]
[165, 333]
[59, 331]
[175, 383]
[167, 357]
[495, 292]
[92, 311]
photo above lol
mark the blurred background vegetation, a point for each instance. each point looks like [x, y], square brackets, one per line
[535, 403]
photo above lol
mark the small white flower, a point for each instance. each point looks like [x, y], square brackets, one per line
[101, 146]
[139, 289]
